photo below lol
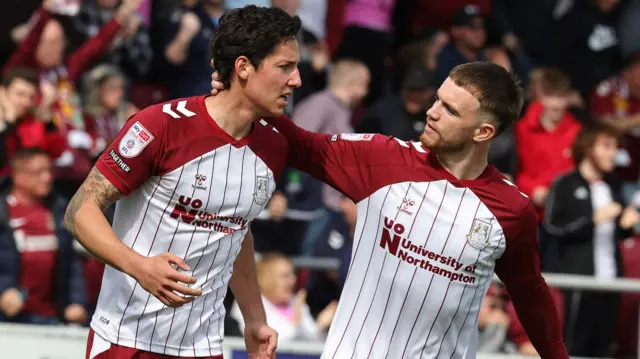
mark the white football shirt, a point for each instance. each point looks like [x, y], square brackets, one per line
[191, 189]
[425, 249]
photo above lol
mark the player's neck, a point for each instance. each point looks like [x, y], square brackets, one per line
[231, 113]
[464, 165]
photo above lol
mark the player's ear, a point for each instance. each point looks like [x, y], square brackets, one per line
[243, 67]
[484, 132]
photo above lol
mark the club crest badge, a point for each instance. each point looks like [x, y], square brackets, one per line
[261, 194]
[479, 235]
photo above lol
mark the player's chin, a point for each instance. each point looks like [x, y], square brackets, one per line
[429, 141]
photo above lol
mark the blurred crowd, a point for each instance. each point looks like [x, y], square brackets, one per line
[73, 72]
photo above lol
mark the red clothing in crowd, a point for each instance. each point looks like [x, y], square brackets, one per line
[34, 232]
[429, 13]
[30, 132]
[612, 98]
[66, 108]
[543, 154]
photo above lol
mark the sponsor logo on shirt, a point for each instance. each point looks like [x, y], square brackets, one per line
[188, 211]
[406, 205]
[123, 166]
[134, 141]
[356, 136]
[200, 181]
[421, 257]
[261, 195]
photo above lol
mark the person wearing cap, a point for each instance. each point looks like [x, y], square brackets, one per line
[402, 115]
[468, 38]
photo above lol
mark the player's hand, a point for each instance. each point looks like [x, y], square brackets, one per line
[261, 341]
[75, 313]
[11, 302]
[158, 277]
[216, 84]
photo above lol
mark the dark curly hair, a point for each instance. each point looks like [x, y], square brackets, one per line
[250, 31]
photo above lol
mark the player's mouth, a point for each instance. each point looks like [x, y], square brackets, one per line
[284, 98]
[429, 129]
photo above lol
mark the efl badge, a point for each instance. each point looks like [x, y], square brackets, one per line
[356, 136]
[478, 237]
[136, 139]
[261, 195]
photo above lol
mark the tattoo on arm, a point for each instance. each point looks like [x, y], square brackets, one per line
[96, 188]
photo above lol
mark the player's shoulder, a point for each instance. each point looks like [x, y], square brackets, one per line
[171, 111]
[268, 135]
[506, 198]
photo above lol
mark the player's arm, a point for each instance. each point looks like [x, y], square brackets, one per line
[244, 285]
[344, 161]
[519, 269]
[111, 179]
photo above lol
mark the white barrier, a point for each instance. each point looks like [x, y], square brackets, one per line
[67, 342]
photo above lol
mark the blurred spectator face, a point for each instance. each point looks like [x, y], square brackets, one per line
[349, 211]
[472, 35]
[278, 281]
[50, 50]
[112, 93]
[451, 120]
[416, 100]
[21, 94]
[269, 85]
[555, 106]
[34, 175]
[107, 4]
[358, 87]
[603, 153]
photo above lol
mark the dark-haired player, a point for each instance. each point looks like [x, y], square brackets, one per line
[189, 176]
[435, 221]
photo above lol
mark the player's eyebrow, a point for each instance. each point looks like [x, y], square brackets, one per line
[448, 106]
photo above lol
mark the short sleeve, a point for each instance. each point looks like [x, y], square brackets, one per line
[135, 154]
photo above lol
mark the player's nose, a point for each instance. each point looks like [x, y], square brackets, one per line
[295, 81]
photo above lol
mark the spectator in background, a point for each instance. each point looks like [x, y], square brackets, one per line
[367, 37]
[616, 102]
[187, 35]
[335, 242]
[468, 38]
[544, 136]
[493, 322]
[587, 42]
[329, 111]
[105, 106]
[586, 216]
[22, 123]
[131, 49]
[402, 115]
[287, 312]
[44, 49]
[40, 276]
[233, 4]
